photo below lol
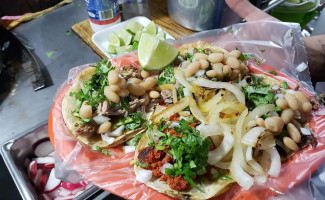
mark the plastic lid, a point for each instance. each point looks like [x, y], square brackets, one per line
[305, 7]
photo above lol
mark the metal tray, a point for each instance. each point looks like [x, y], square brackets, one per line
[15, 152]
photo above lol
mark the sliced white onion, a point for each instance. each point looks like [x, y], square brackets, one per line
[301, 67]
[99, 119]
[249, 153]
[223, 165]
[180, 77]
[166, 165]
[173, 124]
[236, 170]
[275, 87]
[107, 139]
[200, 73]
[129, 149]
[290, 92]
[191, 79]
[251, 137]
[197, 112]
[187, 93]
[220, 85]
[226, 145]
[144, 175]
[259, 111]
[279, 96]
[275, 162]
[209, 129]
[305, 131]
[117, 132]
[199, 127]
[261, 178]
[256, 167]
[241, 84]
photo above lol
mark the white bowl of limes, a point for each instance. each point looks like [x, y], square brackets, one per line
[125, 36]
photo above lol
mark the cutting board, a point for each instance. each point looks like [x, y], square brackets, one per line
[159, 15]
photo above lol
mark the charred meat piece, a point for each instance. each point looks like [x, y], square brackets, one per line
[128, 71]
[87, 130]
[176, 183]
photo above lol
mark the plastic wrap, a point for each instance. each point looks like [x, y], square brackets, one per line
[276, 44]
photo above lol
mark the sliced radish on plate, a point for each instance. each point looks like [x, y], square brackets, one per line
[43, 148]
[65, 198]
[32, 170]
[77, 190]
[47, 166]
[37, 178]
[43, 182]
[71, 186]
[63, 192]
[52, 182]
[44, 160]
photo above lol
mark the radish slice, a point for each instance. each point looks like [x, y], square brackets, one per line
[43, 149]
[44, 160]
[70, 197]
[129, 149]
[144, 175]
[71, 186]
[63, 192]
[43, 182]
[83, 183]
[54, 193]
[88, 186]
[37, 178]
[47, 166]
[52, 182]
[32, 169]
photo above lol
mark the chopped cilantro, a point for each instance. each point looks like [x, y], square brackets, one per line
[188, 150]
[258, 93]
[134, 141]
[272, 72]
[93, 89]
[262, 50]
[160, 147]
[103, 151]
[189, 56]
[231, 32]
[181, 92]
[68, 33]
[224, 177]
[258, 62]
[136, 162]
[167, 76]
[162, 126]
[132, 121]
[285, 85]
[277, 109]
[214, 79]
[124, 103]
[49, 54]
[244, 57]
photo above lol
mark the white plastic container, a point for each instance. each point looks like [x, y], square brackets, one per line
[103, 13]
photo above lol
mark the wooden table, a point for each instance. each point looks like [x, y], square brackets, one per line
[159, 15]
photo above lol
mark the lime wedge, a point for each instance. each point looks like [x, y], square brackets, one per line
[155, 54]
[123, 49]
[133, 27]
[150, 28]
[137, 36]
[161, 35]
[111, 49]
[113, 39]
[125, 36]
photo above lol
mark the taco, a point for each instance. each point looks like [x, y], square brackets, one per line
[253, 120]
[104, 112]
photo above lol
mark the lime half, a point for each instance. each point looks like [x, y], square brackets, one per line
[150, 28]
[161, 35]
[137, 36]
[155, 54]
[125, 36]
[133, 27]
[113, 39]
[111, 49]
[123, 49]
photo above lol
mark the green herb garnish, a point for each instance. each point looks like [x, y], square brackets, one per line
[167, 76]
[124, 103]
[244, 57]
[258, 94]
[181, 92]
[224, 177]
[134, 141]
[132, 121]
[103, 151]
[272, 72]
[285, 85]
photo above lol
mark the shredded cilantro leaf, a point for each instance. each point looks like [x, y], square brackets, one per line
[262, 50]
[49, 54]
[189, 56]
[272, 72]
[258, 62]
[136, 162]
[93, 89]
[167, 76]
[134, 141]
[103, 151]
[189, 150]
[224, 177]
[124, 103]
[68, 33]
[231, 32]
[244, 57]
[214, 79]
[132, 121]
[181, 92]
[258, 93]
[285, 85]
